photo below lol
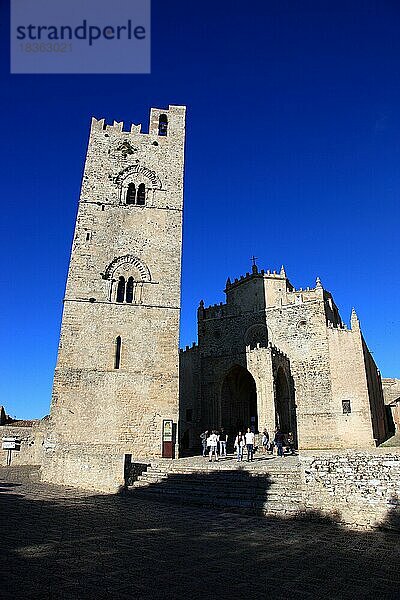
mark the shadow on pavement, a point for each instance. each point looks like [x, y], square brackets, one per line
[60, 543]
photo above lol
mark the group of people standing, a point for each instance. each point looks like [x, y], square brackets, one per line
[279, 442]
[214, 443]
[242, 441]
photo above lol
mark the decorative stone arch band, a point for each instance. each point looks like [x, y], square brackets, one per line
[138, 169]
[137, 290]
[131, 260]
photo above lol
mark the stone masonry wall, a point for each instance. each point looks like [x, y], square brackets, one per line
[349, 382]
[31, 450]
[360, 488]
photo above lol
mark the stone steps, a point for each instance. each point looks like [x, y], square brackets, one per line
[264, 497]
[272, 491]
[224, 484]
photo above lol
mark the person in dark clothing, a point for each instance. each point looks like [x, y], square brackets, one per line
[290, 442]
[223, 438]
[279, 440]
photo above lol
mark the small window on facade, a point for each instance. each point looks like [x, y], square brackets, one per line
[131, 194]
[129, 290]
[346, 405]
[141, 194]
[163, 125]
[121, 289]
[87, 236]
[189, 415]
[117, 352]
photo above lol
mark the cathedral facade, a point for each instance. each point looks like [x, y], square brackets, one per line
[273, 356]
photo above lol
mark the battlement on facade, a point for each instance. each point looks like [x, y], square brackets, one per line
[193, 348]
[117, 127]
[213, 311]
[276, 351]
[338, 326]
[300, 295]
[270, 348]
[275, 288]
[257, 274]
[162, 122]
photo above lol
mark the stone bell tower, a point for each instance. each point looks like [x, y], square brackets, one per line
[116, 378]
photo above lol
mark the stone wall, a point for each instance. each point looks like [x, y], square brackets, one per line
[31, 449]
[359, 488]
[89, 466]
[349, 383]
[379, 420]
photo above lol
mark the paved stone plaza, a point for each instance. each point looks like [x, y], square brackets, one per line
[63, 543]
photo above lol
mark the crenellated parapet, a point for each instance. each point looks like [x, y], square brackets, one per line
[214, 311]
[342, 327]
[256, 274]
[193, 348]
[164, 122]
[338, 326]
[117, 126]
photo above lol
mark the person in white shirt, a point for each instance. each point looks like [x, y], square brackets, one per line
[212, 442]
[249, 436]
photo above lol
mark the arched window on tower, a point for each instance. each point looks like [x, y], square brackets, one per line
[131, 194]
[129, 290]
[141, 194]
[117, 361]
[121, 290]
[163, 125]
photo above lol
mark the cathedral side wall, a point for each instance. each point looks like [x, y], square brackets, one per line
[349, 383]
[376, 399]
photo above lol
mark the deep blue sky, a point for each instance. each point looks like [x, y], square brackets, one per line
[293, 154]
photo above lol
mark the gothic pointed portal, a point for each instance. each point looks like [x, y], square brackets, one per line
[284, 404]
[238, 401]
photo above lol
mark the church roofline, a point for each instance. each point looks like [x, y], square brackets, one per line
[256, 274]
